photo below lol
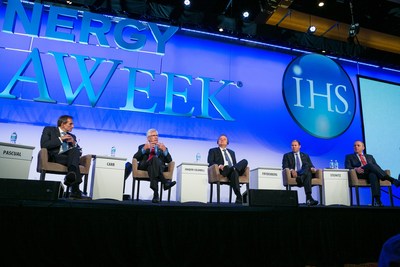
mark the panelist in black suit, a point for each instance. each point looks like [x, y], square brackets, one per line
[63, 148]
[301, 168]
[226, 160]
[367, 168]
[153, 157]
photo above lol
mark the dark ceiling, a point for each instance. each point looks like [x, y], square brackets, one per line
[379, 15]
[279, 21]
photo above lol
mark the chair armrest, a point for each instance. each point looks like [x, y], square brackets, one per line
[317, 173]
[85, 160]
[286, 175]
[353, 179]
[213, 172]
[171, 166]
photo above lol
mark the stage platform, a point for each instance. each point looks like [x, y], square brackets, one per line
[139, 233]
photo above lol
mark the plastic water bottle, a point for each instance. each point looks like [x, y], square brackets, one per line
[331, 164]
[113, 150]
[336, 164]
[13, 138]
[198, 157]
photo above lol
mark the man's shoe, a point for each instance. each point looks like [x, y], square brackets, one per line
[378, 203]
[312, 202]
[155, 199]
[396, 182]
[78, 195]
[70, 178]
[239, 200]
[168, 185]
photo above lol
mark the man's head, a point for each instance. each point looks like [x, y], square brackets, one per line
[65, 122]
[296, 146]
[358, 147]
[152, 136]
[223, 141]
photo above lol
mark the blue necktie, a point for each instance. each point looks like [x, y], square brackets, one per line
[227, 158]
[298, 166]
[64, 144]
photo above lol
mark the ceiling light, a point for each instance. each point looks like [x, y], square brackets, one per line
[312, 29]
[245, 14]
[321, 3]
[221, 29]
[186, 3]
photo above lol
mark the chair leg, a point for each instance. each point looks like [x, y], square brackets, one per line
[161, 190]
[391, 196]
[211, 192]
[357, 196]
[351, 196]
[85, 183]
[137, 190]
[169, 195]
[42, 175]
[320, 194]
[218, 192]
[230, 194]
[133, 188]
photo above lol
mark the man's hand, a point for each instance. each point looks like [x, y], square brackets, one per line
[293, 173]
[359, 170]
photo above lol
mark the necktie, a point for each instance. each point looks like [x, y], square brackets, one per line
[152, 153]
[363, 161]
[298, 166]
[64, 144]
[227, 158]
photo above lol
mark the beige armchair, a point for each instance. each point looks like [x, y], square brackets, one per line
[289, 181]
[214, 177]
[139, 175]
[45, 166]
[356, 183]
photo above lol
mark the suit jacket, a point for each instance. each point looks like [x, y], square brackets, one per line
[288, 160]
[51, 140]
[142, 157]
[215, 156]
[352, 161]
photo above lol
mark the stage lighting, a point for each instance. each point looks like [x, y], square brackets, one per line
[245, 14]
[354, 29]
[312, 29]
[321, 3]
[186, 3]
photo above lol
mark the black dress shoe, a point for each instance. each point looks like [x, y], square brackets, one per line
[239, 200]
[312, 202]
[396, 182]
[156, 198]
[378, 203]
[168, 185]
[78, 195]
[70, 178]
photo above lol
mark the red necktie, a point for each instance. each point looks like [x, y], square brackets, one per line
[152, 153]
[363, 161]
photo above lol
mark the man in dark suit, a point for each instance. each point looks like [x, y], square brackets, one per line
[367, 168]
[153, 157]
[226, 160]
[63, 148]
[301, 168]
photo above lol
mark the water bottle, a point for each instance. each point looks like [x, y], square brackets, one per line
[198, 157]
[113, 149]
[336, 164]
[13, 138]
[331, 164]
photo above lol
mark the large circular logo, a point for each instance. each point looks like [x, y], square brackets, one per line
[319, 95]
